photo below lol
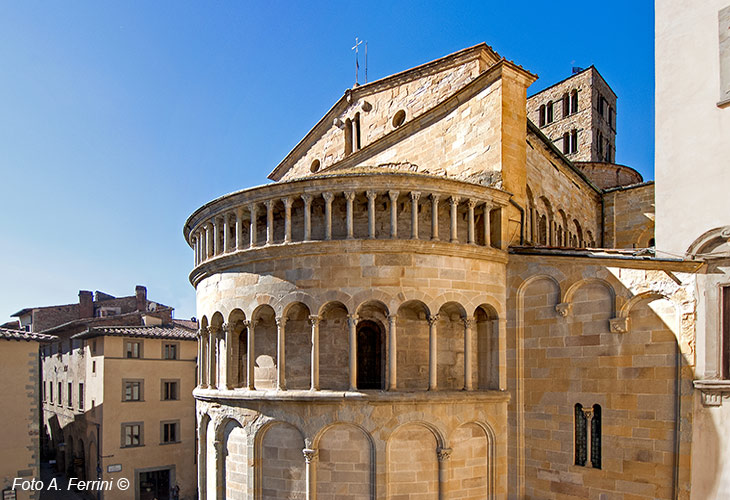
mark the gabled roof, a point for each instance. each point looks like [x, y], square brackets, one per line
[8, 334]
[481, 50]
[155, 332]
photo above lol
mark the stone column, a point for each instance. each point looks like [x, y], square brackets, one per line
[392, 354]
[307, 199]
[444, 454]
[487, 229]
[371, 213]
[328, 197]
[350, 197]
[454, 200]
[281, 353]
[269, 221]
[252, 209]
[216, 243]
[194, 241]
[210, 249]
[433, 352]
[434, 217]
[225, 349]
[415, 195]
[314, 321]
[468, 354]
[393, 195]
[470, 233]
[239, 228]
[287, 218]
[213, 357]
[352, 325]
[310, 467]
[250, 356]
[226, 232]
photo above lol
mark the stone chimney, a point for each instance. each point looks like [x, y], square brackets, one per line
[86, 304]
[141, 294]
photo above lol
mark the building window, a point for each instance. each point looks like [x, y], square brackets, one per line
[725, 319]
[399, 118]
[314, 167]
[574, 101]
[132, 435]
[599, 144]
[60, 397]
[574, 141]
[541, 116]
[566, 105]
[70, 395]
[611, 118]
[170, 432]
[93, 346]
[549, 112]
[134, 349]
[169, 351]
[43, 389]
[132, 390]
[566, 143]
[582, 417]
[81, 396]
[50, 392]
[170, 390]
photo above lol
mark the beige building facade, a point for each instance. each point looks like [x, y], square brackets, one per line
[432, 301]
[692, 151]
[20, 432]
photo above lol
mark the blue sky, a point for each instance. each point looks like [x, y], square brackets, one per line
[119, 119]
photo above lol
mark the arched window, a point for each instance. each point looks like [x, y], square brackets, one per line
[549, 112]
[566, 143]
[370, 356]
[348, 137]
[574, 101]
[574, 141]
[356, 133]
[581, 435]
[566, 105]
[541, 117]
[596, 437]
[599, 144]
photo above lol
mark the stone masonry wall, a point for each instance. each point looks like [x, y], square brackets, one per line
[629, 217]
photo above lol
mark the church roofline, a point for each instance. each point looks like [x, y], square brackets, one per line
[460, 57]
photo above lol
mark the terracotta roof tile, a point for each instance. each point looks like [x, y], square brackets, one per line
[8, 334]
[155, 332]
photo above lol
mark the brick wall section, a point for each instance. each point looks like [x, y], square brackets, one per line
[629, 216]
[609, 175]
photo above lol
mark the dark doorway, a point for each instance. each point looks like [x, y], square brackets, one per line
[154, 485]
[370, 373]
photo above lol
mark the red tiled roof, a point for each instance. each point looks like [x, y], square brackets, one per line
[155, 332]
[8, 334]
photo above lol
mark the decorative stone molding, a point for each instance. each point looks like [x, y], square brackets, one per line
[310, 455]
[619, 325]
[432, 319]
[563, 309]
[443, 454]
[314, 319]
[713, 391]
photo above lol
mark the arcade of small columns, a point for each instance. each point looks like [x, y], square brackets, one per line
[226, 232]
[544, 226]
[218, 349]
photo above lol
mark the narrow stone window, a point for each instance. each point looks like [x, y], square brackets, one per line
[399, 118]
[81, 396]
[601, 105]
[549, 112]
[611, 118]
[50, 392]
[170, 390]
[574, 141]
[566, 143]
[599, 143]
[725, 319]
[132, 390]
[370, 356]
[581, 436]
[356, 133]
[60, 396]
[348, 137]
[596, 437]
[314, 167]
[566, 105]
[70, 395]
[574, 101]
[541, 117]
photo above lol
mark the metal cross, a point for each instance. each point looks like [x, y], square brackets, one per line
[357, 63]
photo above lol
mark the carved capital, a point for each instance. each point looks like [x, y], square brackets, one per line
[287, 202]
[588, 412]
[563, 308]
[393, 195]
[471, 203]
[281, 321]
[328, 197]
[269, 204]
[338, 123]
[619, 325]
[432, 319]
[434, 198]
[349, 195]
[252, 208]
[468, 322]
[366, 106]
[415, 195]
[352, 319]
[371, 195]
[225, 328]
[314, 319]
[443, 454]
[310, 455]
[454, 200]
[247, 323]
[306, 198]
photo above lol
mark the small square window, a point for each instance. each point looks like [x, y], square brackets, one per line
[169, 351]
[134, 349]
[132, 390]
[170, 390]
[170, 432]
[131, 435]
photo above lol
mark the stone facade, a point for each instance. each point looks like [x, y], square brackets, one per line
[427, 305]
